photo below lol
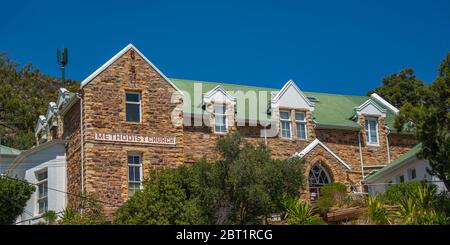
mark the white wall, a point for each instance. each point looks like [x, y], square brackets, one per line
[292, 99]
[379, 185]
[53, 159]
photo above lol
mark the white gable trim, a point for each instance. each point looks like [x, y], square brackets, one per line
[51, 110]
[388, 105]
[219, 89]
[313, 144]
[117, 56]
[285, 88]
[40, 124]
[62, 94]
[367, 103]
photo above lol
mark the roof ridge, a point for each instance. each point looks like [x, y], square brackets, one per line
[268, 88]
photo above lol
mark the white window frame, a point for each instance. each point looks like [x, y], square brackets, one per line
[289, 120]
[38, 198]
[368, 131]
[222, 115]
[302, 122]
[133, 103]
[134, 154]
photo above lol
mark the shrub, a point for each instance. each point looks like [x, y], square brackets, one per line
[162, 202]
[376, 213]
[333, 194]
[50, 217]
[14, 195]
[92, 212]
[397, 192]
[299, 213]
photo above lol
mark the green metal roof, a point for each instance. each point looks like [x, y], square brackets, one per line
[5, 150]
[333, 110]
[416, 149]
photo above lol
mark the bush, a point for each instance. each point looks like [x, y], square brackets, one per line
[333, 194]
[376, 213]
[14, 195]
[92, 212]
[299, 213]
[397, 192]
[162, 202]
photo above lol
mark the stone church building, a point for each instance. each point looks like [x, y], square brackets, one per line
[129, 119]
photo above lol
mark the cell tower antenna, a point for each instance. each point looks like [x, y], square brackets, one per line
[62, 59]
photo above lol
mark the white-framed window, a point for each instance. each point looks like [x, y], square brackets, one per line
[133, 106]
[412, 174]
[42, 192]
[134, 173]
[220, 118]
[371, 126]
[285, 123]
[300, 124]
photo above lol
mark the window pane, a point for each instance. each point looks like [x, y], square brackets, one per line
[137, 174]
[301, 130]
[130, 159]
[133, 112]
[286, 129]
[136, 160]
[300, 116]
[131, 173]
[132, 97]
[220, 109]
[42, 176]
[285, 115]
[373, 125]
[220, 124]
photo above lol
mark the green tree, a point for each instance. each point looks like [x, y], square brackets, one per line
[244, 184]
[14, 195]
[400, 88]
[162, 202]
[431, 118]
[32, 92]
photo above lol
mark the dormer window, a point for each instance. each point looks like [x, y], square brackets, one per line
[371, 126]
[300, 124]
[220, 118]
[285, 122]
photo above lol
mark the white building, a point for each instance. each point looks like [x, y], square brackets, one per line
[407, 167]
[44, 166]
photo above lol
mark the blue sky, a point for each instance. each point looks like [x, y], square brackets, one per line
[325, 46]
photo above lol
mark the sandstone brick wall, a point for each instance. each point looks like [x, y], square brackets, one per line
[104, 111]
[71, 123]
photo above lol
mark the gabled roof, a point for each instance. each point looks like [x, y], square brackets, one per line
[220, 89]
[394, 164]
[19, 159]
[331, 110]
[315, 143]
[286, 86]
[380, 100]
[5, 150]
[116, 57]
[370, 102]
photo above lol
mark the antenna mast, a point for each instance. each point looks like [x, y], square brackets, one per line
[62, 59]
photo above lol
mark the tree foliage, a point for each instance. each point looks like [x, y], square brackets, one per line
[242, 186]
[431, 118]
[162, 202]
[24, 95]
[14, 195]
[400, 88]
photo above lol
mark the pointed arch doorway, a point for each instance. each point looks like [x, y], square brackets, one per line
[318, 177]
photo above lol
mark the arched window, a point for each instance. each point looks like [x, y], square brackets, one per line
[318, 177]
